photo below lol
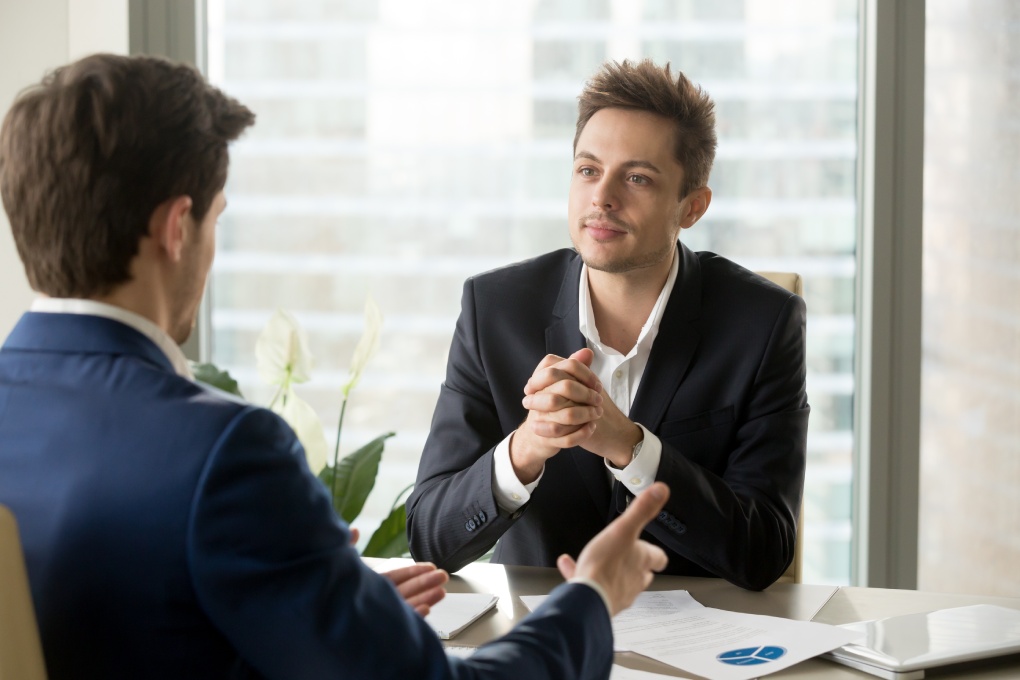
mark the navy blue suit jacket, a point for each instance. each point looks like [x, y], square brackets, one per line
[724, 390]
[171, 531]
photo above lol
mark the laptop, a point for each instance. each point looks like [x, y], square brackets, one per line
[902, 647]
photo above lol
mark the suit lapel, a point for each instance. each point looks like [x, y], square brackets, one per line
[674, 345]
[563, 338]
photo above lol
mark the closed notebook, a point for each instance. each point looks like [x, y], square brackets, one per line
[901, 647]
[457, 611]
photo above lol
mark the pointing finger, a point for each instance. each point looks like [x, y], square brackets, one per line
[642, 510]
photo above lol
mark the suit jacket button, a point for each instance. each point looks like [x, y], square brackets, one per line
[470, 526]
[482, 517]
[663, 516]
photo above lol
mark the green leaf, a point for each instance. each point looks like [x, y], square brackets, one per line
[211, 375]
[355, 477]
[390, 539]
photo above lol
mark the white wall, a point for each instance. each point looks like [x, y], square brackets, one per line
[35, 37]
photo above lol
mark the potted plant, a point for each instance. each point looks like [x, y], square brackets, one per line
[284, 360]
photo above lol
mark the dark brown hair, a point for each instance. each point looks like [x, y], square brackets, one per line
[88, 155]
[647, 87]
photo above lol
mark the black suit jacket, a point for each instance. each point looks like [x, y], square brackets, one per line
[723, 389]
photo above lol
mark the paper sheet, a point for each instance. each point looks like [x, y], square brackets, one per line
[648, 606]
[623, 673]
[617, 672]
[672, 627]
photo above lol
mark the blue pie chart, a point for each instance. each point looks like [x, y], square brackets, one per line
[751, 656]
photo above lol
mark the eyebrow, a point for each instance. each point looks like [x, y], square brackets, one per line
[629, 164]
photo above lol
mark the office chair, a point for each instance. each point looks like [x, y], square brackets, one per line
[20, 651]
[792, 282]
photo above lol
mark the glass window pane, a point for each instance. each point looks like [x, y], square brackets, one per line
[404, 146]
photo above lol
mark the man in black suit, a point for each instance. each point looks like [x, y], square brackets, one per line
[637, 360]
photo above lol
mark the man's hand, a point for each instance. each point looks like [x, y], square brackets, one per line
[563, 401]
[616, 558]
[562, 411]
[615, 436]
[421, 585]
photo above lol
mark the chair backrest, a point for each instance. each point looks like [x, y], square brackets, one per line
[792, 282]
[20, 651]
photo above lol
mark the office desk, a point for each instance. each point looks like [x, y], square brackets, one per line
[824, 604]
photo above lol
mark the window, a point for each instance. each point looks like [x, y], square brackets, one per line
[404, 146]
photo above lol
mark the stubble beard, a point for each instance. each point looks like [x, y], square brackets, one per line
[620, 265]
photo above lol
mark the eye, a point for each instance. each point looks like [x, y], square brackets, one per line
[586, 171]
[638, 179]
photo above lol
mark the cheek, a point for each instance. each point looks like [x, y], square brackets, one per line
[578, 201]
[573, 212]
[674, 213]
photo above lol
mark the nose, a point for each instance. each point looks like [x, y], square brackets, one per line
[605, 195]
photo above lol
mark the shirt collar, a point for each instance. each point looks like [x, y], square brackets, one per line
[586, 316]
[150, 330]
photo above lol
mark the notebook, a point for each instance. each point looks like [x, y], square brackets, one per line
[457, 611]
[902, 647]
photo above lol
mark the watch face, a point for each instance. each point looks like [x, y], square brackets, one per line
[636, 450]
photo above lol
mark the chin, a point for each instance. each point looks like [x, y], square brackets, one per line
[605, 263]
[608, 267]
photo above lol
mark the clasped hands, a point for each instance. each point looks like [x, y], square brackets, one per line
[568, 407]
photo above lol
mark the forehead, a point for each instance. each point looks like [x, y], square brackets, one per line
[614, 134]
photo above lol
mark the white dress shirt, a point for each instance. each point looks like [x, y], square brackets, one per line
[620, 376]
[139, 323]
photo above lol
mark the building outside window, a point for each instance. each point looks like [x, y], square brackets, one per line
[404, 146]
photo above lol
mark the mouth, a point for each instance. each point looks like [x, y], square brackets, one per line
[602, 229]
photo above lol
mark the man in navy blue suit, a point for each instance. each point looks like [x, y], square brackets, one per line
[171, 531]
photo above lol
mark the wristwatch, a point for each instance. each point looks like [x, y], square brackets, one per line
[637, 448]
[633, 453]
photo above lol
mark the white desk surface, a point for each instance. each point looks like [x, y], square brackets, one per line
[826, 604]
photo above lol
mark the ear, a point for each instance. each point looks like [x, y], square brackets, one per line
[693, 206]
[167, 225]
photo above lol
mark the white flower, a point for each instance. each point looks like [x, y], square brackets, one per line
[305, 422]
[281, 351]
[367, 345]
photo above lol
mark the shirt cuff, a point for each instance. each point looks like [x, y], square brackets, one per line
[508, 491]
[640, 472]
[598, 589]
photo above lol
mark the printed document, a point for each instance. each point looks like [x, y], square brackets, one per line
[623, 673]
[672, 627]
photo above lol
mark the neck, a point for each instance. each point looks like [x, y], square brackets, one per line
[622, 302]
[142, 298]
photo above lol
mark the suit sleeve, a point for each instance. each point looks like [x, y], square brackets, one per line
[275, 573]
[452, 515]
[742, 524]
